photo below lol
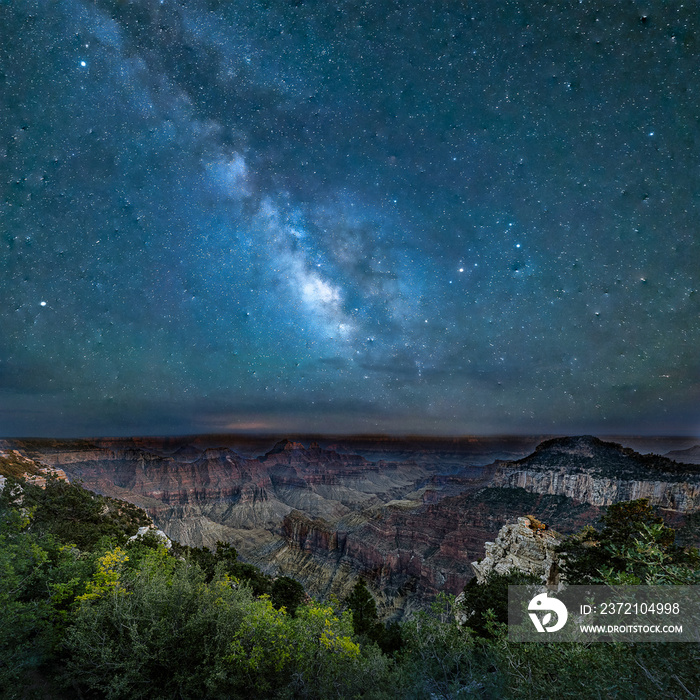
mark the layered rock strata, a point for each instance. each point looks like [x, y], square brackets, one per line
[527, 546]
[592, 471]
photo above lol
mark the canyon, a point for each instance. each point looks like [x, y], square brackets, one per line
[410, 516]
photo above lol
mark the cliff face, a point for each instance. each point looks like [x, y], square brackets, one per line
[228, 492]
[592, 471]
[408, 550]
[603, 491]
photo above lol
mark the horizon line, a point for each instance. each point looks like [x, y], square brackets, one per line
[351, 436]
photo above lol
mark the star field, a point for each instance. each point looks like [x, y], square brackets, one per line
[402, 217]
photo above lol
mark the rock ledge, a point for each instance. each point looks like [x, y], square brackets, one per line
[526, 546]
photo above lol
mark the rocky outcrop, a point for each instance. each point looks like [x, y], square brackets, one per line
[527, 546]
[154, 532]
[40, 478]
[310, 535]
[14, 463]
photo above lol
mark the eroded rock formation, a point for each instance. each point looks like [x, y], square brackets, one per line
[526, 545]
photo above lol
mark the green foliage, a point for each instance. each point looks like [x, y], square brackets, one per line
[633, 547]
[25, 632]
[208, 560]
[440, 658]
[363, 607]
[581, 671]
[622, 521]
[130, 620]
[314, 651]
[69, 579]
[134, 620]
[689, 534]
[164, 632]
[388, 637]
[225, 558]
[39, 579]
[361, 604]
[327, 662]
[287, 593]
[106, 579]
[260, 649]
[492, 595]
[649, 560]
[75, 515]
[283, 591]
[153, 632]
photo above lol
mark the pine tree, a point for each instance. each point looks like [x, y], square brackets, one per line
[364, 609]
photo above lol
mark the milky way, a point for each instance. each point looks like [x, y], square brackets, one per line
[401, 217]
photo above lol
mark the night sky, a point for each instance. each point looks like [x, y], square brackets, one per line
[349, 217]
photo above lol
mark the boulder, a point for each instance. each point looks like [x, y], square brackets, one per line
[151, 529]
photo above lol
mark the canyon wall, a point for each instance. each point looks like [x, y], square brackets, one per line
[411, 526]
[591, 471]
[681, 496]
